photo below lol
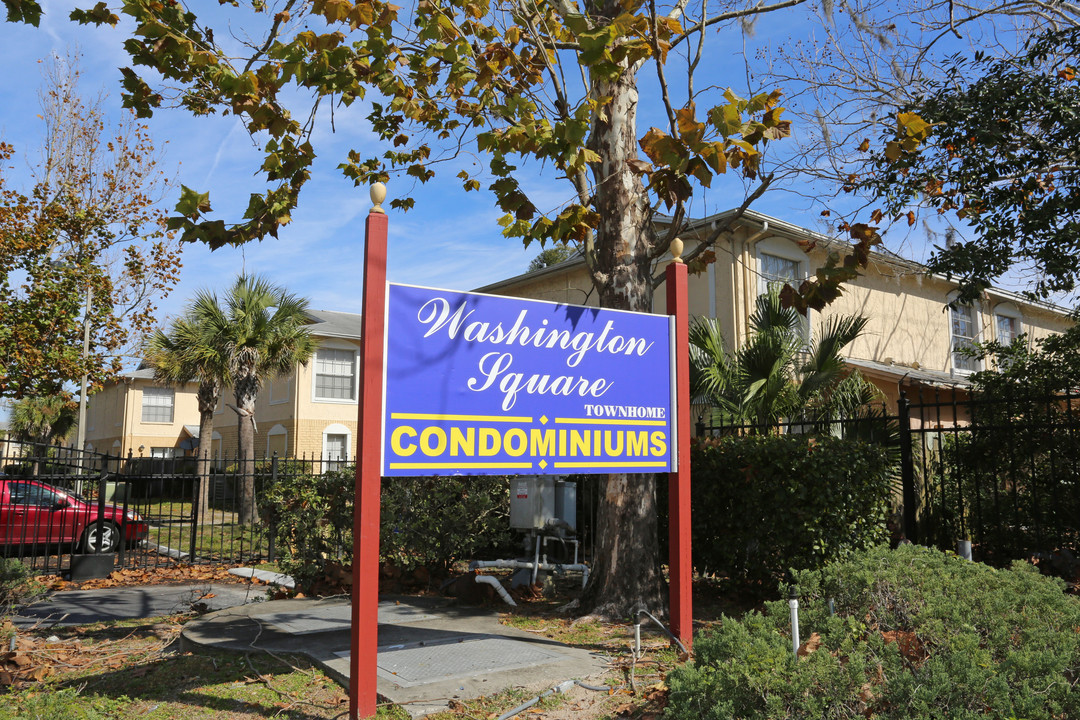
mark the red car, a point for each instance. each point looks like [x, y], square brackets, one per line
[36, 513]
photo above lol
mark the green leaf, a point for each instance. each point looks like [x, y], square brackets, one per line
[23, 11]
[192, 204]
[97, 15]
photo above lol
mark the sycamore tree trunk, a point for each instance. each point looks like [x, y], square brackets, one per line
[208, 400]
[625, 570]
[247, 389]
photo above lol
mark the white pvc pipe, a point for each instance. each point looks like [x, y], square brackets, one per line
[963, 549]
[536, 560]
[793, 603]
[526, 565]
[494, 582]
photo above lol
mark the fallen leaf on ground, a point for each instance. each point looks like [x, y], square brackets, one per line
[812, 644]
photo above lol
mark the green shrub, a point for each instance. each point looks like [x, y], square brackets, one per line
[311, 517]
[428, 521]
[767, 503]
[436, 521]
[917, 634]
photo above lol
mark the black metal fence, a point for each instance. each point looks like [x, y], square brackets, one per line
[1000, 472]
[875, 424]
[57, 503]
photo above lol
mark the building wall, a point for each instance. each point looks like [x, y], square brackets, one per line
[115, 425]
[289, 419]
[909, 321]
[909, 326]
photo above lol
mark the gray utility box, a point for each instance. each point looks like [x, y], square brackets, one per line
[537, 500]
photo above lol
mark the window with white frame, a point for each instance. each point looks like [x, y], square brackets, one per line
[782, 262]
[163, 453]
[776, 271]
[157, 404]
[335, 374]
[335, 449]
[277, 441]
[1008, 324]
[964, 334]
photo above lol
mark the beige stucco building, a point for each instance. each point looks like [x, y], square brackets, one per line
[912, 336]
[310, 413]
[910, 342]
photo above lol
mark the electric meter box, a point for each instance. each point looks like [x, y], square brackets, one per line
[537, 500]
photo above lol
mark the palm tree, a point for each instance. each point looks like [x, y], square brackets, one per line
[188, 353]
[262, 332]
[777, 374]
[42, 420]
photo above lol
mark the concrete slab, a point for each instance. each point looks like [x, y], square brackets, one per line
[429, 651]
[458, 656]
[338, 618]
[80, 607]
[265, 576]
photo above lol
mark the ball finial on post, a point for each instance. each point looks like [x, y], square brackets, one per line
[378, 194]
[676, 248]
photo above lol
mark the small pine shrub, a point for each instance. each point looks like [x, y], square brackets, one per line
[917, 634]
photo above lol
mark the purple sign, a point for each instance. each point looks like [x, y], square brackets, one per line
[490, 385]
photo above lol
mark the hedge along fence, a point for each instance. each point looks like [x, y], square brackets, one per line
[425, 521]
[764, 504]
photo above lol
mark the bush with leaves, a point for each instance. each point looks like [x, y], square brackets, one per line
[425, 521]
[767, 503]
[917, 633]
[436, 521]
[311, 516]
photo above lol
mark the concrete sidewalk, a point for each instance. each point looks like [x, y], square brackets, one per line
[81, 607]
[429, 651]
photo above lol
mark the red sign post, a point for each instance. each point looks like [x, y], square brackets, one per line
[680, 565]
[365, 588]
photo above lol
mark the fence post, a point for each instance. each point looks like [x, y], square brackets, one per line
[101, 513]
[271, 530]
[907, 469]
[193, 545]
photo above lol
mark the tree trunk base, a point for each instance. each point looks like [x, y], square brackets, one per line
[625, 572]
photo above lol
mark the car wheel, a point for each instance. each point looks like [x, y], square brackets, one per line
[110, 537]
